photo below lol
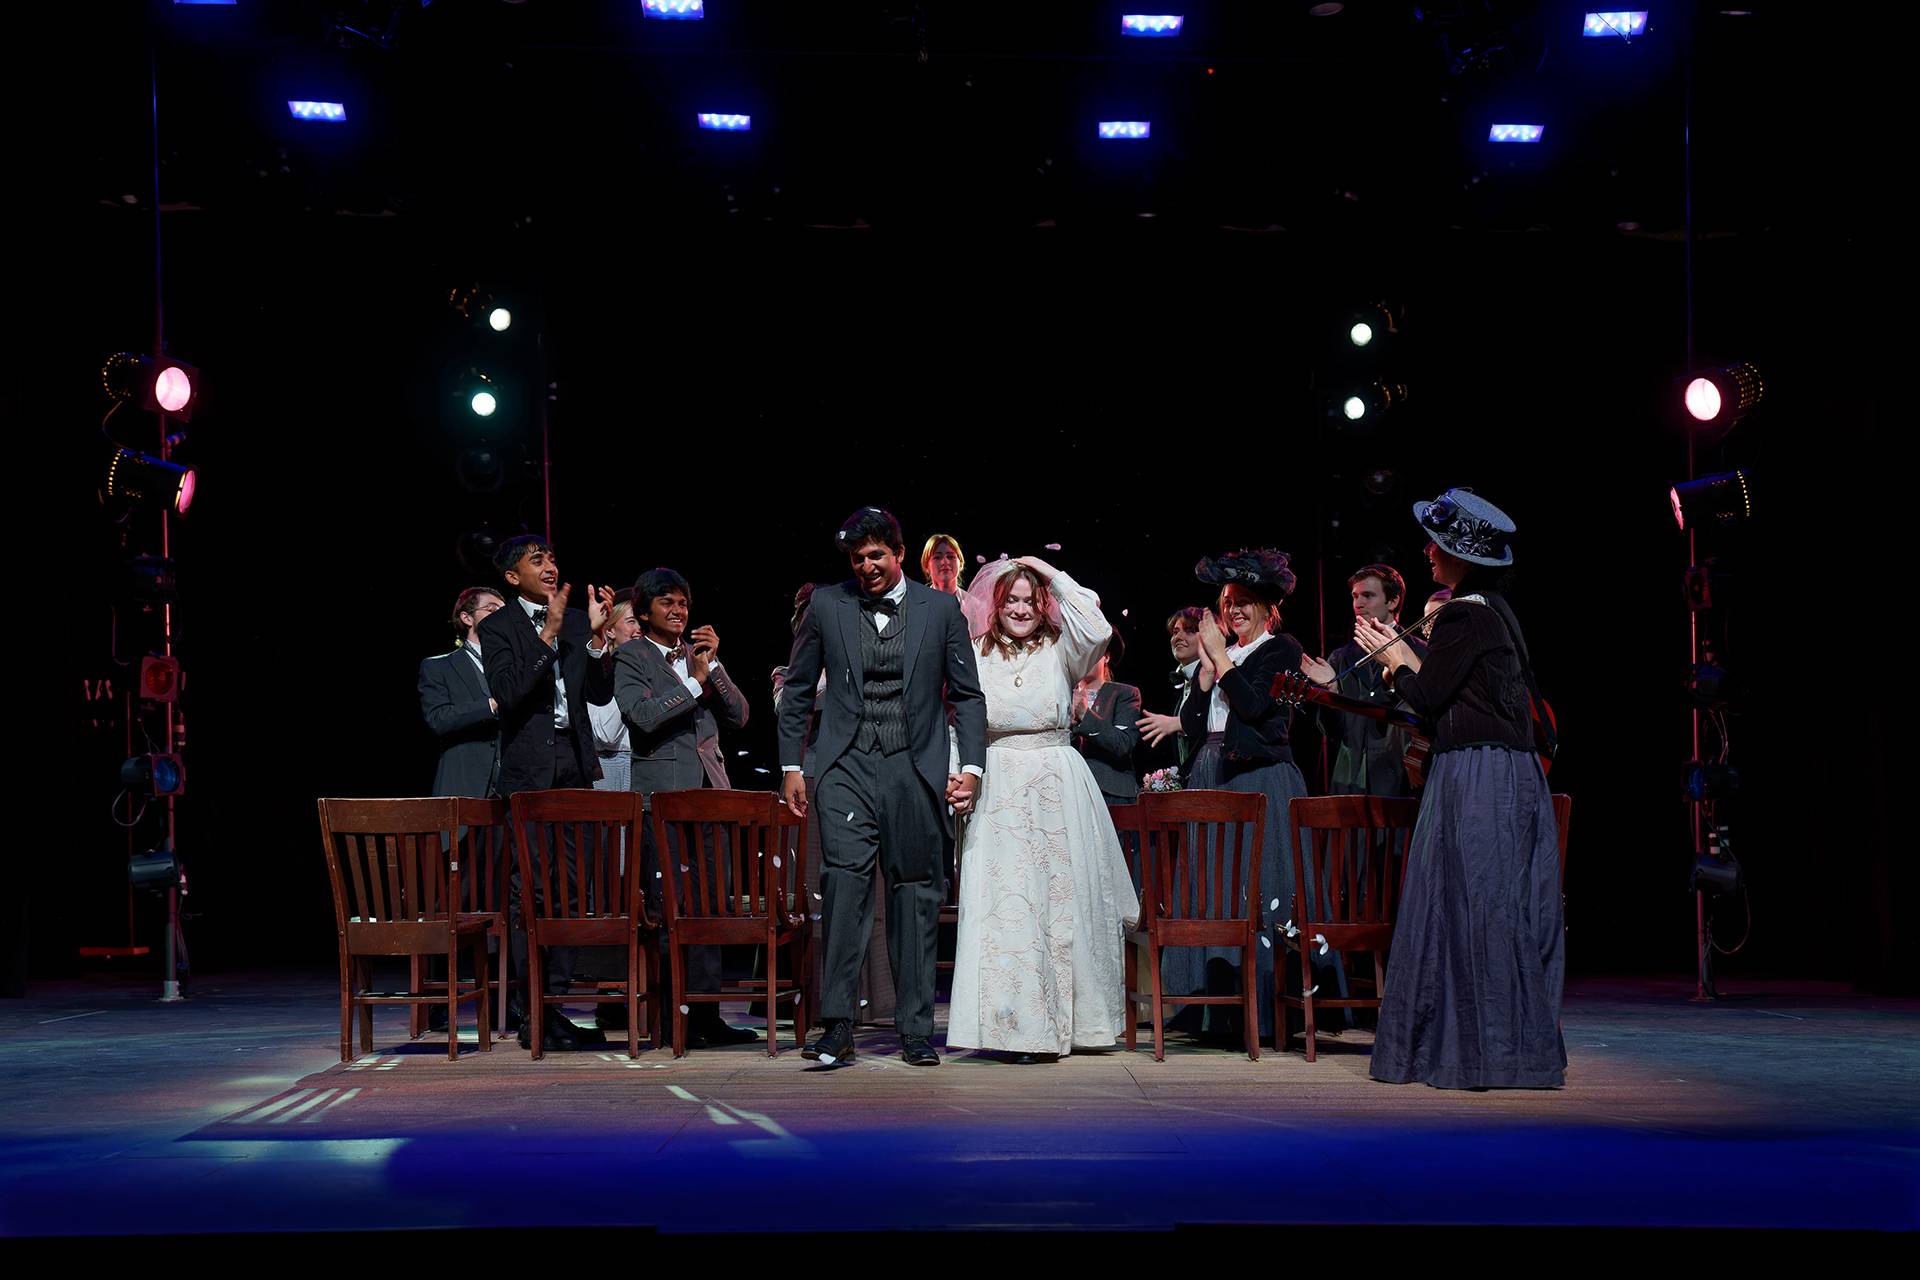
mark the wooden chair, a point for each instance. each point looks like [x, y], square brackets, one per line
[1196, 896]
[396, 878]
[734, 871]
[486, 853]
[574, 893]
[1352, 851]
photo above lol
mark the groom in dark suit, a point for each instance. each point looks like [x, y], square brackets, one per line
[896, 655]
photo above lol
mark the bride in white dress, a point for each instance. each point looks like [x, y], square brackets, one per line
[1045, 897]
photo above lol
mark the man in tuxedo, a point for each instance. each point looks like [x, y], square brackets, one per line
[1369, 761]
[895, 653]
[540, 658]
[675, 697]
[457, 706]
[1105, 727]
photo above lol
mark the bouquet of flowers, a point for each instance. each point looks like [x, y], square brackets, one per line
[1161, 780]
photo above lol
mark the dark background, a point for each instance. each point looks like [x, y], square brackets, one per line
[920, 283]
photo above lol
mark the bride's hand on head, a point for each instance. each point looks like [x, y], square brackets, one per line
[1038, 565]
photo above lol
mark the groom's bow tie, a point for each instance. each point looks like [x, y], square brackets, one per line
[880, 604]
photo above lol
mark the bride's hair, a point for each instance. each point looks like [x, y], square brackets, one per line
[996, 637]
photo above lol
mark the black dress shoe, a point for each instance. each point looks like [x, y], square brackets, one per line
[918, 1051]
[711, 1032]
[610, 1017]
[436, 1017]
[559, 1036]
[835, 1048]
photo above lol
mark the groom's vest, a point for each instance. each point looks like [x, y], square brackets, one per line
[883, 685]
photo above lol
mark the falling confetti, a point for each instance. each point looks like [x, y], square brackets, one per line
[1265, 941]
[776, 859]
[1053, 546]
[1123, 613]
[1274, 905]
[684, 1009]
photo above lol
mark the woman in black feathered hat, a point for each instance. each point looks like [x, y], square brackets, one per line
[1240, 736]
[1478, 944]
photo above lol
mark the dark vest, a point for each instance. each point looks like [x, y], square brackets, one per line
[883, 686]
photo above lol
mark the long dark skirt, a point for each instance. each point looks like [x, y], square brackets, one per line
[1217, 971]
[1478, 960]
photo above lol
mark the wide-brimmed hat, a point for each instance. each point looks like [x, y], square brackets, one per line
[1260, 567]
[1467, 527]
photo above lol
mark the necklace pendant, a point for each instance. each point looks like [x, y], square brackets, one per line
[1016, 682]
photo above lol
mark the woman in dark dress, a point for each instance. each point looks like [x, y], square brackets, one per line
[1472, 996]
[1241, 738]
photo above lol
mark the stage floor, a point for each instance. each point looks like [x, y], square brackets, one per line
[231, 1113]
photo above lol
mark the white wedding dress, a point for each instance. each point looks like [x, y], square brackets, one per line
[1045, 896]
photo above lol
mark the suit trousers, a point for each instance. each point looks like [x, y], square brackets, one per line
[876, 810]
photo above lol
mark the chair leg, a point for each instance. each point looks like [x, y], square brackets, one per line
[1159, 1014]
[802, 979]
[1250, 998]
[483, 1006]
[680, 1002]
[1280, 999]
[1306, 989]
[453, 1001]
[502, 991]
[772, 1008]
[416, 1014]
[633, 993]
[536, 996]
[1130, 992]
[346, 1010]
[366, 1010]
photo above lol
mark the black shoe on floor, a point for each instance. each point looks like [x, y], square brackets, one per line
[918, 1051]
[436, 1017]
[835, 1048]
[559, 1036]
[712, 1032]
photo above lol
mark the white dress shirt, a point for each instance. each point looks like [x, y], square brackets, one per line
[1217, 713]
[561, 718]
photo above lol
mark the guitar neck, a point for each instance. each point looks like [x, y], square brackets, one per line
[1294, 688]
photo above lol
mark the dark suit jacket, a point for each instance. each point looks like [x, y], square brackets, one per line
[675, 737]
[453, 699]
[1370, 751]
[1257, 726]
[1107, 736]
[520, 677]
[941, 668]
